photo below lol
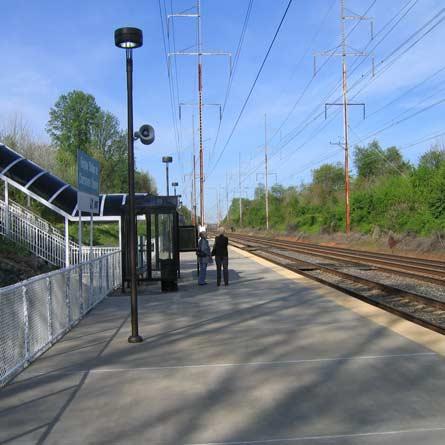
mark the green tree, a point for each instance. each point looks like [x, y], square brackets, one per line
[329, 177]
[72, 122]
[144, 183]
[106, 136]
[433, 159]
[373, 162]
[393, 162]
[366, 160]
[436, 199]
[77, 122]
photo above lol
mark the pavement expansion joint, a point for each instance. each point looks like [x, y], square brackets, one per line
[284, 363]
[328, 437]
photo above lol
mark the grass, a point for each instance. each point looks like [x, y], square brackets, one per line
[104, 234]
[18, 264]
[8, 247]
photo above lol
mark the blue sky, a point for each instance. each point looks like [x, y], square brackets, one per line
[52, 47]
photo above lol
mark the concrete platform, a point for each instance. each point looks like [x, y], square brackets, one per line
[272, 359]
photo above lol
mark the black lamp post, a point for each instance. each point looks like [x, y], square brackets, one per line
[167, 160]
[129, 38]
[174, 185]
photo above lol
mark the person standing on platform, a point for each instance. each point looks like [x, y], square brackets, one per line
[204, 256]
[221, 254]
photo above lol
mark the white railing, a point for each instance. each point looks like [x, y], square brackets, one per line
[35, 313]
[88, 254]
[32, 217]
[40, 242]
[22, 226]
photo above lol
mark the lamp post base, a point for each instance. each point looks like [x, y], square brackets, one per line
[135, 339]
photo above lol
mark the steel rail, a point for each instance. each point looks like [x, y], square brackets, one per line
[425, 270]
[423, 305]
[364, 253]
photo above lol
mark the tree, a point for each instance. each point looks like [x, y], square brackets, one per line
[73, 123]
[15, 133]
[144, 183]
[329, 177]
[433, 159]
[77, 122]
[436, 199]
[260, 191]
[106, 136]
[372, 162]
[186, 213]
[366, 160]
[393, 162]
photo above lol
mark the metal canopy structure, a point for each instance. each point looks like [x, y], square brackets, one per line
[61, 197]
[159, 242]
[160, 213]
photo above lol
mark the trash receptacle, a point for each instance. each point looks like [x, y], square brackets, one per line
[169, 275]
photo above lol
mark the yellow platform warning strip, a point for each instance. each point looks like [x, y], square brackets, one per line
[416, 333]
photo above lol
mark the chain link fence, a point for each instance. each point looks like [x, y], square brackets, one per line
[36, 313]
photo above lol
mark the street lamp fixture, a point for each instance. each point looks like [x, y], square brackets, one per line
[129, 38]
[167, 160]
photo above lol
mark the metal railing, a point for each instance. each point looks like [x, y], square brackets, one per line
[88, 254]
[42, 239]
[37, 220]
[35, 313]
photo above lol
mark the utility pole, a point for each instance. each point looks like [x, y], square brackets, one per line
[227, 198]
[344, 53]
[218, 204]
[218, 207]
[201, 147]
[199, 53]
[194, 171]
[240, 191]
[345, 115]
[200, 106]
[266, 172]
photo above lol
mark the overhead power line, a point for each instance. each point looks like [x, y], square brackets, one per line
[232, 74]
[405, 93]
[312, 79]
[310, 119]
[172, 99]
[254, 83]
[397, 53]
[305, 123]
[298, 64]
[369, 73]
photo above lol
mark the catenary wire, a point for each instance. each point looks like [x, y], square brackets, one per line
[253, 85]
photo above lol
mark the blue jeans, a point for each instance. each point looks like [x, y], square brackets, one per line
[202, 272]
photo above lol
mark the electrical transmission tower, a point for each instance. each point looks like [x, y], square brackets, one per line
[199, 54]
[192, 176]
[266, 173]
[240, 191]
[344, 53]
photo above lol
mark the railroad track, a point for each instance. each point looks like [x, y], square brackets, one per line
[421, 309]
[422, 269]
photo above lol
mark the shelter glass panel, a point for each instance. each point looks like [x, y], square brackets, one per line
[166, 236]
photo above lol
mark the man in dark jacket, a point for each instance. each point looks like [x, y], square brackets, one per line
[221, 255]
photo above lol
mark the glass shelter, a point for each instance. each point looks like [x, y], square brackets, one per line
[158, 226]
